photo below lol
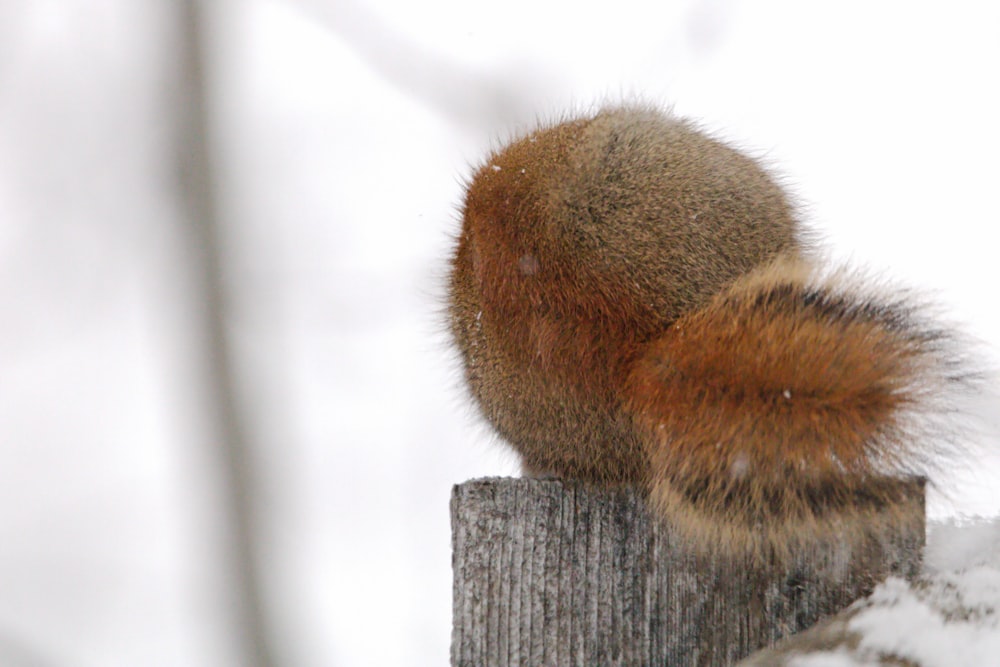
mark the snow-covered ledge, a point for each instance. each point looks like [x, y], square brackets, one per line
[554, 572]
[948, 616]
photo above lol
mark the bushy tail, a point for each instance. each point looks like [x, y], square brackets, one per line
[769, 412]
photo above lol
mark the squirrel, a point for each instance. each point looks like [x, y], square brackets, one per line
[637, 303]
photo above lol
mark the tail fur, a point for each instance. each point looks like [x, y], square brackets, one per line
[769, 413]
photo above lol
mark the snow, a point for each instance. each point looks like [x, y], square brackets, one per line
[948, 620]
[960, 543]
[944, 618]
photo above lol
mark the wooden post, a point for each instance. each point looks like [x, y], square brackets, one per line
[551, 572]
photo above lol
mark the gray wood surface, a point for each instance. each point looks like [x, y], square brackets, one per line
[550, 572]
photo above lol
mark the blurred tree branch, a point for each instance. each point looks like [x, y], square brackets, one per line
[201, 210]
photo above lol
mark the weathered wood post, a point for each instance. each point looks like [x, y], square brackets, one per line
[551, 572]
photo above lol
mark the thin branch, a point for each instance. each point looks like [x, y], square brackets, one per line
[216, 355]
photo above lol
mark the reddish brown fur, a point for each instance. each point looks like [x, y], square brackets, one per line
[775, 405]
[783, 382]
[608, 298]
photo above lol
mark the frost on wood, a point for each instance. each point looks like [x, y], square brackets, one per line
[549, 572]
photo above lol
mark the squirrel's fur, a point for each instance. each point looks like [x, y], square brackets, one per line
[635, 303]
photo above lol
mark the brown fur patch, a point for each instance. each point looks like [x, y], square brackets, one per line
[623, 319]
[579, 242]
[773, 409]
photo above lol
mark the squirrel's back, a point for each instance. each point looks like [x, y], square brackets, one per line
[633, 304]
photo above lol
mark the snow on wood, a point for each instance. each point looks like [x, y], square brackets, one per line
[942, 619]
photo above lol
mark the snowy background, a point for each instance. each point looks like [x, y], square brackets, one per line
[343, 132]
